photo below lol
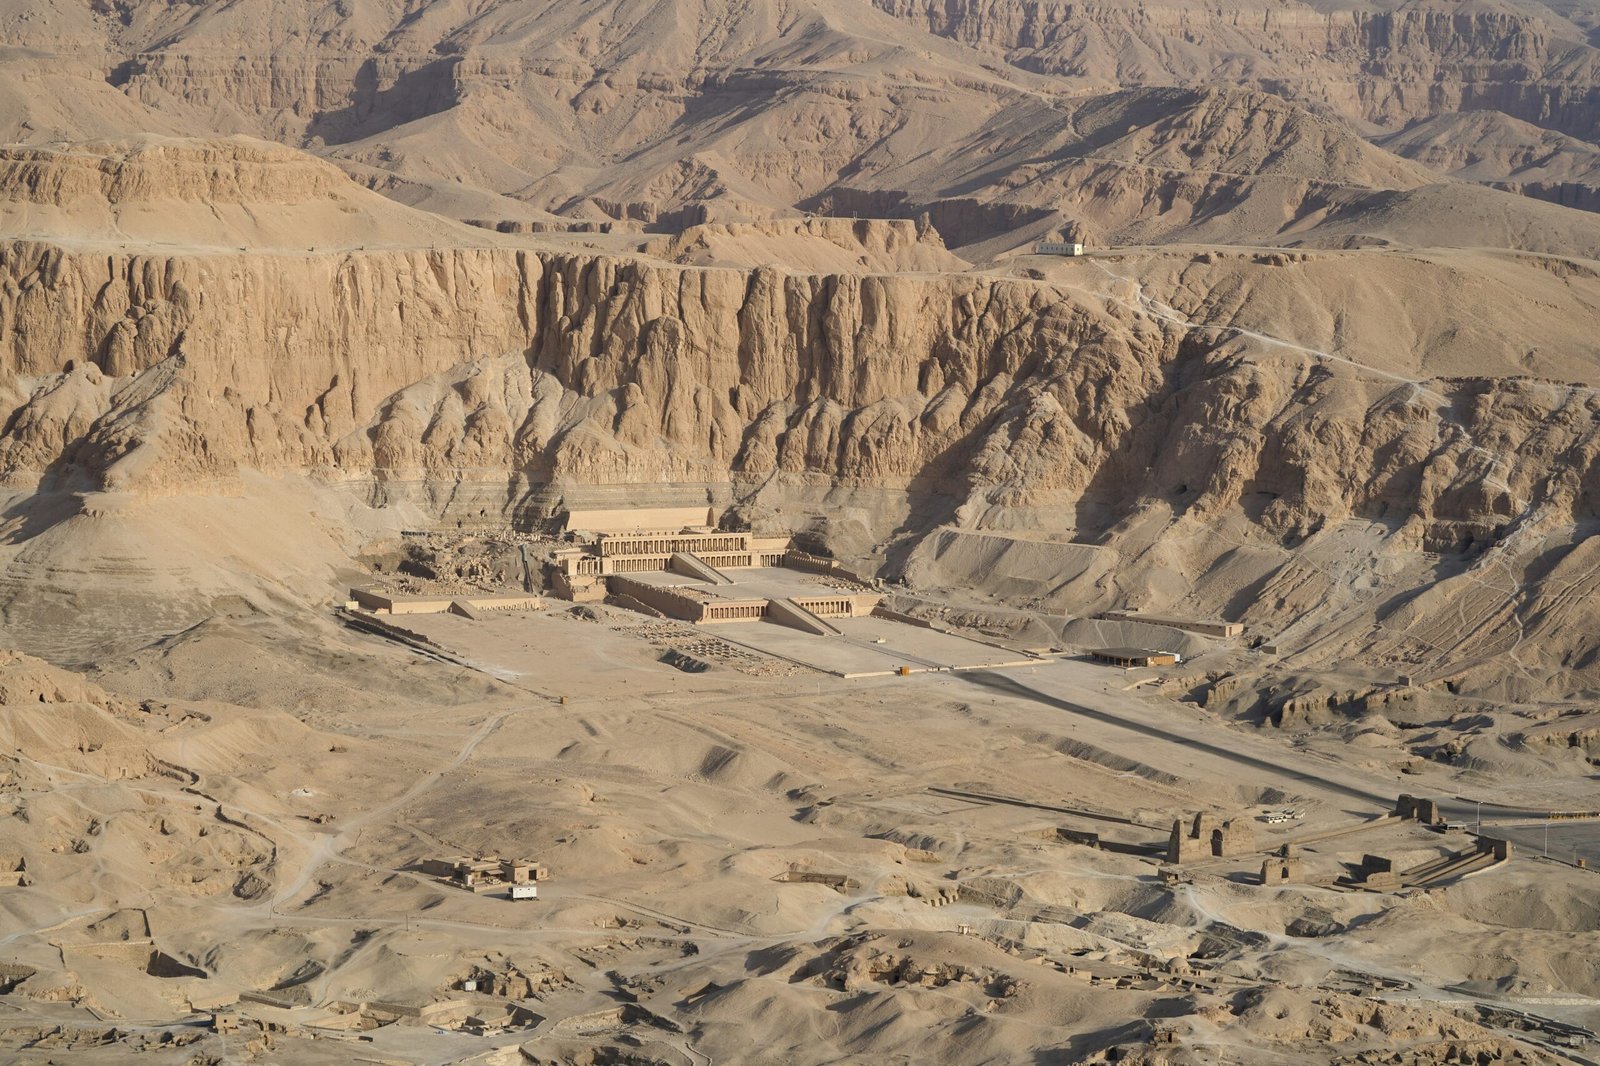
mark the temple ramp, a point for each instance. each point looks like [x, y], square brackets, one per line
[691, 565]
[791, 614]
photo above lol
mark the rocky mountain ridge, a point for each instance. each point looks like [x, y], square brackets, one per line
[138, 373]
[672, 115]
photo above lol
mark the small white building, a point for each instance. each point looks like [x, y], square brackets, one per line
[1058, 248]
[526, 891]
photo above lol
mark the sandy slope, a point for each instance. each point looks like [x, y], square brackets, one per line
[674, 114]
[1316, 378]
[666, 809]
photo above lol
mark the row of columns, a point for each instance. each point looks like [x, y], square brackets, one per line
[668, 545]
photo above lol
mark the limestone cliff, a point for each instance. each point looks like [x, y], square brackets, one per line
[507, 371]
[812, 246]
[201, 194]
[1382, 66]
[676, 114]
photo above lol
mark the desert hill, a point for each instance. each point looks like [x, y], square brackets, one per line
[813, 246]
[297, 300]
[1237, 133]
[1080, 403]
[1380, 63]
[1493, 148]
[677, 114]
[237, 193]
[1140, 166]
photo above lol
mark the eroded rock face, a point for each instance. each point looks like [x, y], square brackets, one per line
[221, 171]
[514, 370]
[1386, 67]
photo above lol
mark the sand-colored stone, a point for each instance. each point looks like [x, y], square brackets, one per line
[1326, 371]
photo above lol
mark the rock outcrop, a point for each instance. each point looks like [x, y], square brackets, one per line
[1381, 66]
[813, 246]
[673, 116]
[200, 194]
[519, 370]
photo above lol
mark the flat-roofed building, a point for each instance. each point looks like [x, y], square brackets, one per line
[648, 541]
[1135, 656]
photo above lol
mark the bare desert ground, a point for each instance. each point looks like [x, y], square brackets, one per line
[609, 533]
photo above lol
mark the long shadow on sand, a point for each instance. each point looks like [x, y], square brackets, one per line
[1457, 808]
[1013, 687]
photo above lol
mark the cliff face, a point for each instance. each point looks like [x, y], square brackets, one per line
[553, 365]
[370, 69]
[984, 114]
[1385, 67]
[201, 194]
[165, 168]
[507, 371]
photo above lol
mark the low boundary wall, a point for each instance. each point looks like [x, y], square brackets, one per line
[388, 603]
[795, 559]
[670, 602]
[1203, 626]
